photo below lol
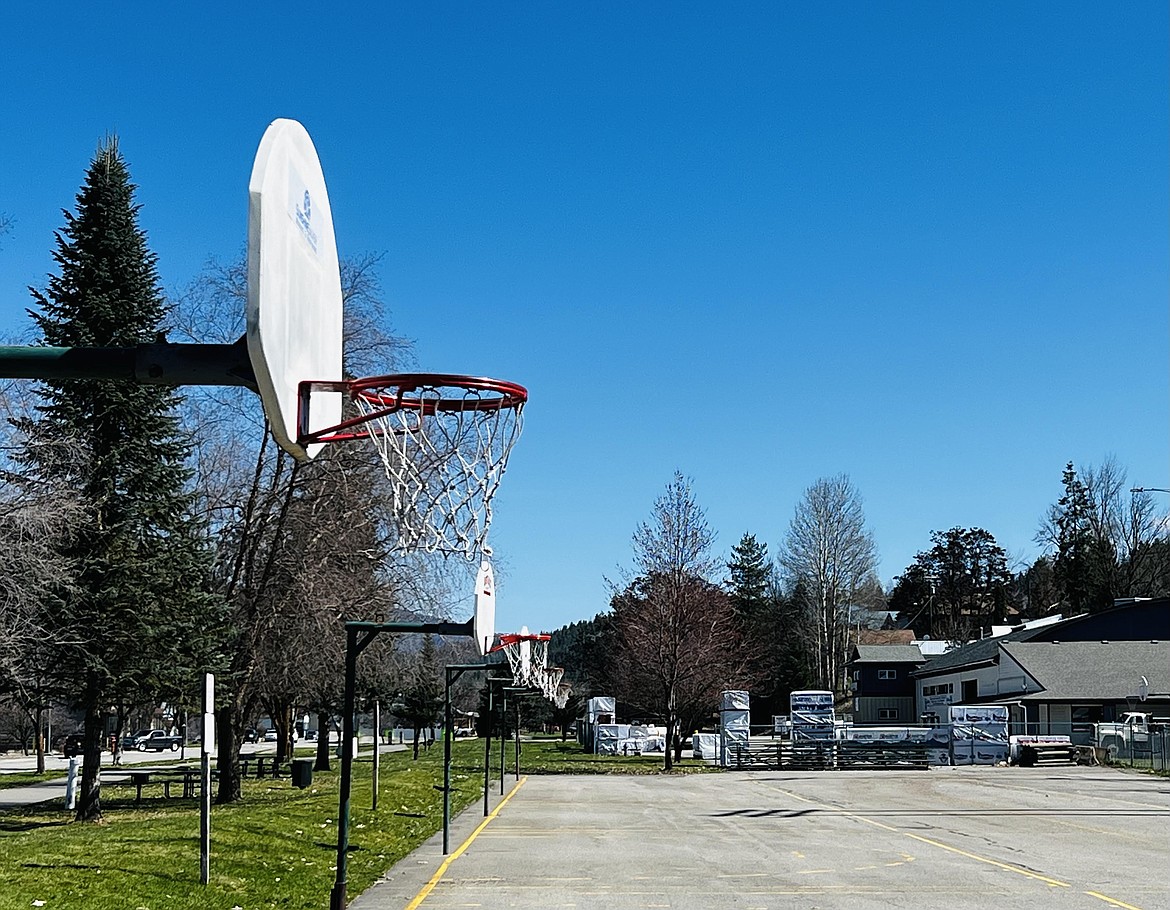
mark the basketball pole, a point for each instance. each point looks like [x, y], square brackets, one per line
[453, 673]
[358, 636]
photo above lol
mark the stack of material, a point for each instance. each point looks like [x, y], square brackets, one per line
[599, 710]
[734, 723]
[610, 738]
[1028, 751]
[705, 745]
[812, 715]
[979, 734]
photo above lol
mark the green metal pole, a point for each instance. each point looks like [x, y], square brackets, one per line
[161, 363]
[448, 733]
[503, 739]
[337, 897]
[490, 721]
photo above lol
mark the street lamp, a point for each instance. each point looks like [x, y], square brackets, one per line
[1148, 490]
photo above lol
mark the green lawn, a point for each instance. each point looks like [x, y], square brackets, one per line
[544, 756]
[24, 778]
[277, 848]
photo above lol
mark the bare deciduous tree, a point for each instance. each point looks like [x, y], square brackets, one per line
[36, 516]
[831, 555]
[677, 636]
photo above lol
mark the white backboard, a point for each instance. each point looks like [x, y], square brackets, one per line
[294, 283]
[484, 624]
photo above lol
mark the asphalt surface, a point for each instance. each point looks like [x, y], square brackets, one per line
[959, 838]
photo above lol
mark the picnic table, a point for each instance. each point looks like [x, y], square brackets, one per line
[266, 765]
[185, 774]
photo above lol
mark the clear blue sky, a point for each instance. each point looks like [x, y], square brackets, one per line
[922, 244]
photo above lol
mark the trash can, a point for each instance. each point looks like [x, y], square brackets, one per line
[302, 772]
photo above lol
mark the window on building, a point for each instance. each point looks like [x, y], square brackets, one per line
[887, 674]
[887, 713]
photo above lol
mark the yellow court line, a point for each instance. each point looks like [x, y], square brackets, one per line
[1111, 900]
[430, 886]
[926, 840]
[982, 859]
[991, 862]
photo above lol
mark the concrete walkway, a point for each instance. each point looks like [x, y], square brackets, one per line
[41, 792]
[53, 787]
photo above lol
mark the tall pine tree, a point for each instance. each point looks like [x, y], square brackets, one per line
[1084, 560]
[139, 622]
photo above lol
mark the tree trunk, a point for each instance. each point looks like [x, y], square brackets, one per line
[228, 763]
[417, 731]
[89, 799]
[280, 714]
[41, 745]
[668, 752]
[322, 762]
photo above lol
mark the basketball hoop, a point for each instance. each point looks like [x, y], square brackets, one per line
[444, 441]
[549, 680]
[527, 655]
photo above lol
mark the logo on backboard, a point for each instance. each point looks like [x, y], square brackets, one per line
[302, 211]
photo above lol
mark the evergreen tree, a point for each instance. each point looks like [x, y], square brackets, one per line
[1084, 560]
[956, 587]
[139, 623]
[757, 604]
[585, 650]
[748, 582]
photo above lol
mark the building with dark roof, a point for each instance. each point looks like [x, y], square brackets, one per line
[883, 684]
[1063, 677]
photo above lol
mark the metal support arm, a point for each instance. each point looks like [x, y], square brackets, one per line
[161, 363]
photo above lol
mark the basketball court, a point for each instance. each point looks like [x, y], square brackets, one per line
[962, 838]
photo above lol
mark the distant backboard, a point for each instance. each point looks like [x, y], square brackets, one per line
[484, 623]
[294, 283]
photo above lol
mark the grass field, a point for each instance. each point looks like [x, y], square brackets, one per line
[24, 778]
[543, 756]
[276, 848]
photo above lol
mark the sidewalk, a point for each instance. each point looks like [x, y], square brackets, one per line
[53, 787]
[41, 792]
[417, 872]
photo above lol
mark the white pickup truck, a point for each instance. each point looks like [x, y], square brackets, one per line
[1122, 738]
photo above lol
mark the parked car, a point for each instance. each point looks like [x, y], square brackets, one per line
[251, 735]
[270, 735]
[130, 741]
[71, 747]
[152, 740]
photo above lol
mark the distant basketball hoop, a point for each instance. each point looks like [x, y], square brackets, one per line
[527, 655]
[444, 441]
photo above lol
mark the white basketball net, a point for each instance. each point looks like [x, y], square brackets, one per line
[528, 658]
[445, 453]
